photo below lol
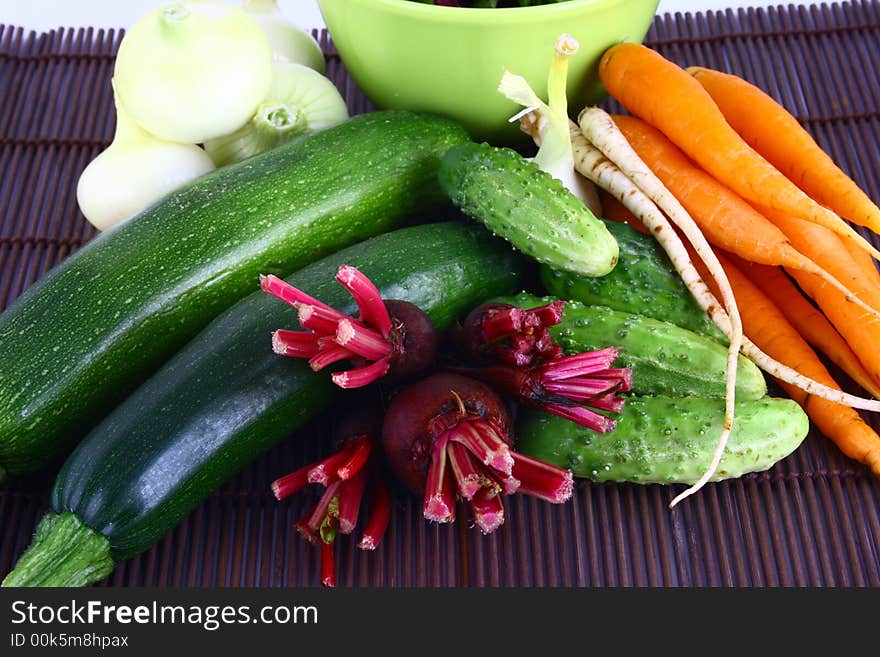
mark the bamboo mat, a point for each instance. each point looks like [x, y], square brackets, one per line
[814, 519]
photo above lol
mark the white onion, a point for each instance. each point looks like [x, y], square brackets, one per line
[193, 70]
[289, 43]
[134, 172]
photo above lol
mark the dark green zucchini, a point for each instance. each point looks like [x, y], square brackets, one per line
[98, 324]
[226, 397]
[644, 282]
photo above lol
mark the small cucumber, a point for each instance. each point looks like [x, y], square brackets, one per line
[643, 282]
[668, 440]
[666, 359]
[528, 207]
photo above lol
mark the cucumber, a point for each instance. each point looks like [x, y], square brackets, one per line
[668, 440]
[666, 359]
[643, 282]
[93, 328]
[528, 207]
[226, 397]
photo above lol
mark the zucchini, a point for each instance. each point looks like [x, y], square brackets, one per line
[226, 397]
[666, 359]
[93, 328]
[668, 440]
[528, 207]
[643, 282]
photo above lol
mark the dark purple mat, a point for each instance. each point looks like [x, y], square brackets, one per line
[814, 519]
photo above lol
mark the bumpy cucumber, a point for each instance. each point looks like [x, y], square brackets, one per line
[666, 359]
[528, 207]
[643, 282]
[668, 440]
[226, 398]
[94, 327]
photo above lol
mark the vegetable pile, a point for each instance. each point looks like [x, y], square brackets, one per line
[230, 306]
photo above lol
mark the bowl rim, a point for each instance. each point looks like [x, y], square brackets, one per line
[478, 14]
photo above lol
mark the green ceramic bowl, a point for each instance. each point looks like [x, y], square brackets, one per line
[448, 60]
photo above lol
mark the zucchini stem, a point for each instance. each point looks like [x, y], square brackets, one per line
[65, 552]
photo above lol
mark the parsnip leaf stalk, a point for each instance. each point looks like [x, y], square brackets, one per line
[554, 154]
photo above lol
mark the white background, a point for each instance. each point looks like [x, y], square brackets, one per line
[48, 14]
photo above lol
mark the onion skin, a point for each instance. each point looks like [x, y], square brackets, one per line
[420, 413]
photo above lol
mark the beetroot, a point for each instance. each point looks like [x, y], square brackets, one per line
[449, 436]
[515, 336]
[389, 338]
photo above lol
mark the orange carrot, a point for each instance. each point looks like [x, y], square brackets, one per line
[772, 131]
[825, 249]
[667, 97]
[726, 220]
[808, 320]
[865, 261]
[768, 328]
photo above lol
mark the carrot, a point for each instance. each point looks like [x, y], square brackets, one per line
[727, 221]
[592, 163]
[665, 96]
[767, 326]
[778, 136]
[827, 250]
[808, 320]
[865, 261]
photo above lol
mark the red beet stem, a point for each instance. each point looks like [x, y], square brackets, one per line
[610, 402]
[488, 511]
[298, 344]
[439, 503]
[622, 376]
[548, 315]
[351, 491]
[328, 564]
[468, 477]
[380, 515]
[568, 367]
[318, 319]
[504, 484]
[583, 416]
[541, 479]
[319, 514]
[329, 355]
[501, 322]
[302, 526]
[367, 297]
[362, 376]
[289, 484]
[325, 471]
[362, 447]
[582, 390]
[281, 289]
[482, 441]
[362, 340]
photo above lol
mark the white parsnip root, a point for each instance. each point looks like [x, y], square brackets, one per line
[599, 129]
